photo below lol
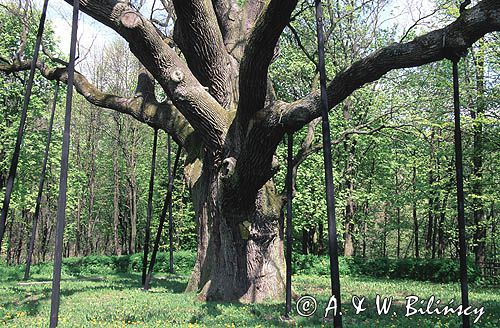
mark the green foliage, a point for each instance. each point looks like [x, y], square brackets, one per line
[434, 270]
[183, 262]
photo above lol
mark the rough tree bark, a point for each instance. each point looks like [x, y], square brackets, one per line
[221, 111]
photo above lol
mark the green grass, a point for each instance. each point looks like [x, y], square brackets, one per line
[115, 300]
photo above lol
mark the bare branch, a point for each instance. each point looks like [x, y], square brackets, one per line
[417, 22]
[296, 37]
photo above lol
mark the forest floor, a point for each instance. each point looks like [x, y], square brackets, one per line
[116, 300]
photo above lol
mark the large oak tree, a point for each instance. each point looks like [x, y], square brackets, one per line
[223, 112]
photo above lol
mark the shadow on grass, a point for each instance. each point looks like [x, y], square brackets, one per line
[31, 293]
[266, 314]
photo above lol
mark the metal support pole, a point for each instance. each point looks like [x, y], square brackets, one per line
[327, 157]
[289, 216]
[460, 197]
[167, 204]
[63, 181]
[147, 231]
[171, 178]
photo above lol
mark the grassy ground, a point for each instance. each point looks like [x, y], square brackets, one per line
[115, 300]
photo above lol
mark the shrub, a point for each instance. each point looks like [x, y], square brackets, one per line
[435, 270]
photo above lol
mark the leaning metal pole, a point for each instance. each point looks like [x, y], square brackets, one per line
[20, 131]
[166, 205]
[147, 231]
[63, 180]
[327, 157]
[460, 197]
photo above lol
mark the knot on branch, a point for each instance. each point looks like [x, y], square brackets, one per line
[177, 76]
[228, 167]
[130, 19]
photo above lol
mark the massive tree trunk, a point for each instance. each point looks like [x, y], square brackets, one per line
[222, 111]
[240, 245]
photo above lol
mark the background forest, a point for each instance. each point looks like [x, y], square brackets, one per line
[393, 147]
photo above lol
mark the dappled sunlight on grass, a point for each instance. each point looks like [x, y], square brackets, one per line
[117, 301]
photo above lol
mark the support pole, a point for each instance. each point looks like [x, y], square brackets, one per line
[289, 216]
[460, 197]
[170, 218]
[40, 187]
[327, 157]
[20, 131]
[147, 231]
[167, 204]
[63, 181]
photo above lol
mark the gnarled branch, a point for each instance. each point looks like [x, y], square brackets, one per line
[202, 111]
[143, 106]
[447, 42]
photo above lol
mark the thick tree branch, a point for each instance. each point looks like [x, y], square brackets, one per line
[440, 44]
[228, 16]
[198, 35]
[202, 111]
[258, 54]
[142, 106]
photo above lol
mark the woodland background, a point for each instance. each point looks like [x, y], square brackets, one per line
[393, 153]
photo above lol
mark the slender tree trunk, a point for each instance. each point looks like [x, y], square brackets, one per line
[431, 200]
[350, 205]
[19, 239]
[91, 181]
[79, 205]
[442, 216]
[305, 241]
[477, 158]
[116, 204]
[398, 241]
[414, 213]
[384, 232]
[366, 210]
[321, 236]
[132, 189]
[11, 237]
[398, 218]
